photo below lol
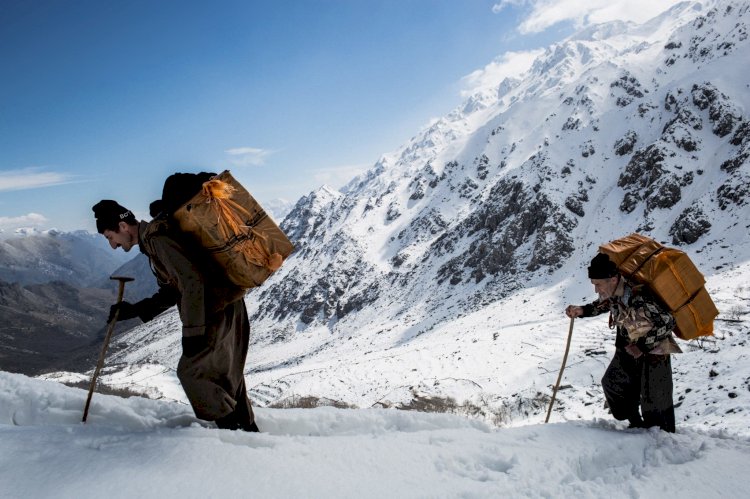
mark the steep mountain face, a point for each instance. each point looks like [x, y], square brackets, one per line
[640, 128]
[447, 265]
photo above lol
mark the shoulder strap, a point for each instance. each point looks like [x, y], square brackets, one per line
[157, 226]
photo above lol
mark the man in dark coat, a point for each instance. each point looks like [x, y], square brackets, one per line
[215, 327]
[640, 373]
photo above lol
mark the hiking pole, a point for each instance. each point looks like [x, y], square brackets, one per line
[111, 328]
[562, 368]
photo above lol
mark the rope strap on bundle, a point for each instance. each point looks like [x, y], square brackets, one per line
[231, 218]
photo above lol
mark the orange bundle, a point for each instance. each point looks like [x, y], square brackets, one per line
[231, 218]
[235, 230]
[671, 276]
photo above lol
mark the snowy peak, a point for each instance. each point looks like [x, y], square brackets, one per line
[604, 131]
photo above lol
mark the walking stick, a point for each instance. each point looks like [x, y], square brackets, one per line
[562, 368]
[111, 328]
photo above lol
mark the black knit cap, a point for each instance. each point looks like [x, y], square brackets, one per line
[602, 267]
[109, 214]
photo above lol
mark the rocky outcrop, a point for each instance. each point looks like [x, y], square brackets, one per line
[646, 178]
[625, 145]
[626, 89]
[513, 215]
[690, 226]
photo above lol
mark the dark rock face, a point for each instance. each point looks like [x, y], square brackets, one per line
[575, 205]
[625, 144]
[483, 167]
[512, 215]
[629, 89]
[731, 192]
[741, 138]
[572, 124]
[424, 226]
[646, 179]
[690, 226]
[742, 135]
[722, 113]
[575, 202]
[679, 130]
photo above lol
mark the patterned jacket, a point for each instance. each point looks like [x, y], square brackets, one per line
[639, 318]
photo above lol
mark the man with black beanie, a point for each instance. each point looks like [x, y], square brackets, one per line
[638, 382]
[215, 327]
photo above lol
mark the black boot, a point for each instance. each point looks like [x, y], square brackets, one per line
[228, 422]
[635, 422]
[252, 427]
[233, 421]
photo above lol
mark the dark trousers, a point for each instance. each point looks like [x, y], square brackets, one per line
[645, 382]
[214, 379]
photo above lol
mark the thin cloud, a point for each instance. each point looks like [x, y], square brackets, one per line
[248, 156]
[508, 65]
[337, 176]
[543, 14]
[31, 178]
[497, 8]
[29, 220]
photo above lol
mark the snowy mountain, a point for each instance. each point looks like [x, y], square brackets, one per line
[441, 274]
[278, 208]
[54, 298]
[77, 258]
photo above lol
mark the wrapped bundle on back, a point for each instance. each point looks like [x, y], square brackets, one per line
[229, 224]
[671, 276]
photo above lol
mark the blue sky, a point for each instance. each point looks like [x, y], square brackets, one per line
[104, 99]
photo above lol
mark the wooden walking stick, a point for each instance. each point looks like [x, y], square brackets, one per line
[562, 368]
[111, 328]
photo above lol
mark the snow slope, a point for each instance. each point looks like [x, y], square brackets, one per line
[144, 448]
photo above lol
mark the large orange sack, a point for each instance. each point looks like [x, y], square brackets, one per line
[671, 276]
[226, 221]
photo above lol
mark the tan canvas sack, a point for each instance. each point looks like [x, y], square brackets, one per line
[671, 276]
[235, 230]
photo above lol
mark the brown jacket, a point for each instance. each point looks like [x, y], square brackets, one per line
[213, 314]
[186, 278]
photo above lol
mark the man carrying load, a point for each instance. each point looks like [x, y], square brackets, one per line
[638, 382]
[215, 327]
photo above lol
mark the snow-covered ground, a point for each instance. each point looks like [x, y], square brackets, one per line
[144, 448]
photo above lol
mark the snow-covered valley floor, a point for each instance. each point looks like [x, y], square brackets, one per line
[144, 448]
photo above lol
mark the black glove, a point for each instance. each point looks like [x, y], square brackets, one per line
[193, 345]
[127, 311]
